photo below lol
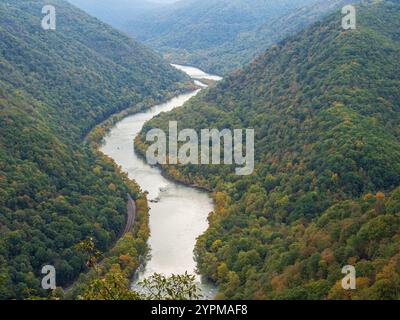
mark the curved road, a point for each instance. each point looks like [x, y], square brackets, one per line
[131, 206]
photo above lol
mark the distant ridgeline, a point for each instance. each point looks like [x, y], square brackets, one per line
[54, 87]
[115, 12]
[325, 106]
[220, 36]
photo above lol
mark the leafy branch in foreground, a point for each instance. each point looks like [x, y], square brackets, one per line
[176, 287]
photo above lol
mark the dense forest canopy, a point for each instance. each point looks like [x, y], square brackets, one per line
[54, 87]
[325, 106]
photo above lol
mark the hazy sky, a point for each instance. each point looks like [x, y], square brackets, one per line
[163, 1]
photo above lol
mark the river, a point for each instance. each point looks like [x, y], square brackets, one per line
[180, 214]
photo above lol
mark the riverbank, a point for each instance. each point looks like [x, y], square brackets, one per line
[130, 249]
[128, 252]
[168, 172]
[97, 134]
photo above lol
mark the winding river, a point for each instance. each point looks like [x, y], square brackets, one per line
[179, 214]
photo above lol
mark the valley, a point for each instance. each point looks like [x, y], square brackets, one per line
[215, 149]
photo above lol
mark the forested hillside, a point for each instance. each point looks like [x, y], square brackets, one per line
[325, 106]
[222, 35]
[248, 45]
[54, 87]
